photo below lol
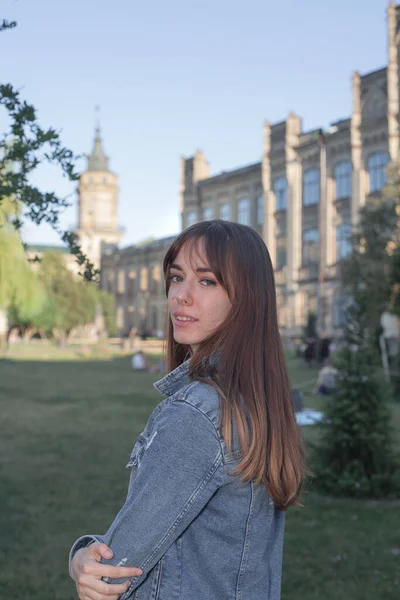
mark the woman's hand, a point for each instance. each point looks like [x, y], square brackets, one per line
[87, 573]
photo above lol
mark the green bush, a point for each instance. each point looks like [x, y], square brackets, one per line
[355, 455]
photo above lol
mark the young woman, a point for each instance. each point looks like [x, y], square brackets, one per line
[220, 459]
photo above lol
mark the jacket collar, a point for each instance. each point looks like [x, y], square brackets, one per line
[174, 381]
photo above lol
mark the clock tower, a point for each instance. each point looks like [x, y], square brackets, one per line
[98, 205]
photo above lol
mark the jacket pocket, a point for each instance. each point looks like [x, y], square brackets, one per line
[169, 587]
[149, 589]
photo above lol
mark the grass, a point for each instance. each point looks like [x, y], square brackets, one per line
[67, 429]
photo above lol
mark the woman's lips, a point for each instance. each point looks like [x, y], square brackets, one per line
[184, 323]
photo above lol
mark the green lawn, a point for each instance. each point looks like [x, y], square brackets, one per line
[67, 427]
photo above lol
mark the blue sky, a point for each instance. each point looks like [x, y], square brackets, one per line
[174, 76]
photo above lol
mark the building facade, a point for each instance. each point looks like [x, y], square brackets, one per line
[303, 197]
[305, 193]
[134, 275]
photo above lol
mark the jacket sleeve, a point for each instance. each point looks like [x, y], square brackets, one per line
[179, 470]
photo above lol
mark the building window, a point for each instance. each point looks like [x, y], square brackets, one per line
[144, 279]
[132, 284]
[340, 304]
[260, 208]
[281, 258]
[121, 282]
[377, 164]
[310, 246]
[280, 190]
[120, 317]
[190, 218]
[244, 211]
[155, 279]
[343, 241]
[343, 172]
[225, 212]
[208, 213]
[311, 185]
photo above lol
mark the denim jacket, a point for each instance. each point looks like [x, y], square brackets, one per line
[197, 531]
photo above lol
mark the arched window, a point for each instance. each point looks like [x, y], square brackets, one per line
[311, 185]
[343, 241]
[208, 213]
[244, 211]
[225, 212]
[377, 164]
[260, 208]
[190, 218]
[280, 190]
[310, 246]
[343, 172]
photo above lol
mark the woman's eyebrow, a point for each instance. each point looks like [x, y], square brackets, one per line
[176, 266]
[198, 269]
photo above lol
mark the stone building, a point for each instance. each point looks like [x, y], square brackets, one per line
[303, 197]
[134, 276]
[305, 193]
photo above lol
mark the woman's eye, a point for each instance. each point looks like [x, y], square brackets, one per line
[175, 278]
[208, 282]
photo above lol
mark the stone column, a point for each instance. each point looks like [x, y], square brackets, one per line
[323, 233]
[358, 182]
[393, 83]
[269, 200]
[294, 216]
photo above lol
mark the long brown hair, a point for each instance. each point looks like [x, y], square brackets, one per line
[251, 375]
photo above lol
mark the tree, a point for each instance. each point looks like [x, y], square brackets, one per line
[107, 304]
[23, 147]
[74, 301]
[20, 291]
[355, 456]
[370, 275]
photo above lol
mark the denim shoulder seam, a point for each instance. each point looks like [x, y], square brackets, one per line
[246, 546]
[185, 510]
[227, 457]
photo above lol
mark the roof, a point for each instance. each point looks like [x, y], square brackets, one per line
[97, 161]
[48, 248]
[147, 246]
[229, 174]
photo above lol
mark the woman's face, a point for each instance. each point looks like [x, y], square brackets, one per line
[197, 303]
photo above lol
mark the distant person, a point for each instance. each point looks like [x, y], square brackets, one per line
[326, 383]
[220, 460]
[333, 346]
[309, 352]
[390, 332]
[140, 362]
[324, 343]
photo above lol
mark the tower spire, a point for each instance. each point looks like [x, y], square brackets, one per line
[97, 160]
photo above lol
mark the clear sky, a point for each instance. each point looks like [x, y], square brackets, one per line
[172, 76]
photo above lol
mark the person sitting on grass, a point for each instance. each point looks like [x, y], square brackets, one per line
[140, 362]
[326, 383]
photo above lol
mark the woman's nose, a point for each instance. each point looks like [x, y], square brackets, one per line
[184, 294]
